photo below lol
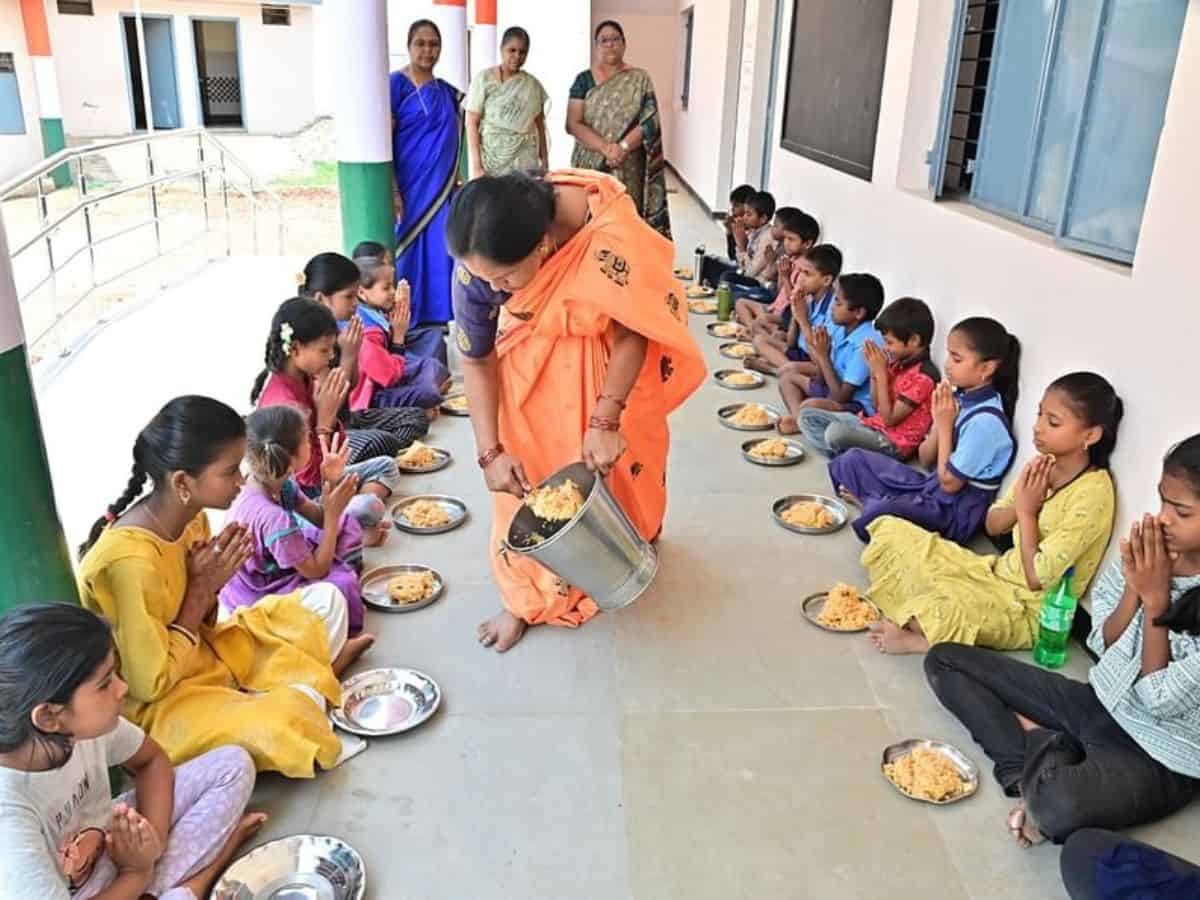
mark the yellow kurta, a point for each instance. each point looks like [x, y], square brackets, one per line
[234, 687]
[963, 597]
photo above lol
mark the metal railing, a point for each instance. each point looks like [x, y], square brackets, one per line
[214, 170]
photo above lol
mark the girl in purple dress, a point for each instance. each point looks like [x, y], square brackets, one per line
[969, 449]
[296, 541]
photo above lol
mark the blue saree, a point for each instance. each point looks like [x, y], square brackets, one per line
[425, 146]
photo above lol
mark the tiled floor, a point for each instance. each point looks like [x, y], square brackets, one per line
[703, 743]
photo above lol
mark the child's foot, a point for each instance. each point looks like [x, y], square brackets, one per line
[351, 651]
[202, 882]
[849, 498]
[888, 637]
[788, 425]
[432, 413]
[377, 535]
[758, 364]
[1026, 724]
[501, 631]
[1023, 828]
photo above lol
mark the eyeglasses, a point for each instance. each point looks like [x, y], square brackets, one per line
[610, 41]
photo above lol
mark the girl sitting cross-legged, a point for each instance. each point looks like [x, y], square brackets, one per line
[61, 834]
[262, 678]
[296, 541]
[969, 448]
[1122, 748]
[299, 351]
[1059, 513]
[363, 297]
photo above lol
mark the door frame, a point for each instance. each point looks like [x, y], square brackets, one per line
[169, 19]
[237, 34]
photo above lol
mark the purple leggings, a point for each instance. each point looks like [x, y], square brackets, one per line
[211, 793]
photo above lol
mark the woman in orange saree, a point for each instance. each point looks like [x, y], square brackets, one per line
[574, 335]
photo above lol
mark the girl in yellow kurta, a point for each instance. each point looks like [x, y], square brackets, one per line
[260, 679]
[1059, 513]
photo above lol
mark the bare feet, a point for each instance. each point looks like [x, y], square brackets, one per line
[501, 631]
[849, 498]
[888, 637]
[1026, 724]
[377, 535]
[201, 883]
[1023, 828]
[788, 425]
[351, 651]
[758, 364]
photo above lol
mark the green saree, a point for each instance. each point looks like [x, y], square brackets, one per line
[614, 109]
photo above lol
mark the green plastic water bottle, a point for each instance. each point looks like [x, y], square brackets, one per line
[724, 302]
[1054, 626]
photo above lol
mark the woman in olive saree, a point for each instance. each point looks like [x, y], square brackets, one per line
[613, 116]
[505, 106]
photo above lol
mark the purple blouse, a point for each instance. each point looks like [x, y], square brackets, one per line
[476, 313]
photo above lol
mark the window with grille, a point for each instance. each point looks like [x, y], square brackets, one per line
[12, 116]
[1053, 111]
[277, 15]
[75, 8]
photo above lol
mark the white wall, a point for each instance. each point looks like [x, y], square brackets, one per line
[19, 151]
[277, 66]
[1138, 327]
[699, 142]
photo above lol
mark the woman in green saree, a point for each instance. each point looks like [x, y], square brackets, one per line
[506, 124]
[613, 116]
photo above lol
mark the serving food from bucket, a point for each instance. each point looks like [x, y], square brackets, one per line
[572, 525]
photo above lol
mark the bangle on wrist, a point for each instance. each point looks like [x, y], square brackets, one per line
[604, 423]
[490, 456]
[612, 398]
[186, 632]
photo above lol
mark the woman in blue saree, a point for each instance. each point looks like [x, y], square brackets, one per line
[426, 131]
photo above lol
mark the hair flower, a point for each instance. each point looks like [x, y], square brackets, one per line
[286, 333]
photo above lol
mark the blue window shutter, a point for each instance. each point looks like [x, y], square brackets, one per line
[1013, 99]
[1122, 123]
[941, 143]
[12, 116]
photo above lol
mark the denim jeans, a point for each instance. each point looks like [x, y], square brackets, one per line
[1080, 769]
[833, 432]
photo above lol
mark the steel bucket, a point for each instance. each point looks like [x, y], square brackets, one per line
[598, 551]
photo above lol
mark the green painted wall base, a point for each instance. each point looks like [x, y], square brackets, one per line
[365, 192]
[53, 140]
[34, 562]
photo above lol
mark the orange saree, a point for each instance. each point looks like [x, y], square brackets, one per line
[553, 353]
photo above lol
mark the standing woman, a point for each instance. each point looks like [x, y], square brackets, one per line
[613, 116]
[426, 133]
[506, 122]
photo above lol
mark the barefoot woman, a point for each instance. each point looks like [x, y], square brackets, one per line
[575, 339]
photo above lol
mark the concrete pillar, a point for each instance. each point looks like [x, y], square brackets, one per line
[451, 19]
[485, 52]
[37, 41]
[34, 563]
[364, 127]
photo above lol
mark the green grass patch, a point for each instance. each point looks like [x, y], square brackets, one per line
[322, 173]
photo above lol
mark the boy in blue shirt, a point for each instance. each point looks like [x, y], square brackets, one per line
[779, 340]
[842, 382]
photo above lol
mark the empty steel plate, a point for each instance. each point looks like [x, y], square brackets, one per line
[386, 701]
[299, 867]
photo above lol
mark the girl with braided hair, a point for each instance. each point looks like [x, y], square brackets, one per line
[152, 568]
[299, 352]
